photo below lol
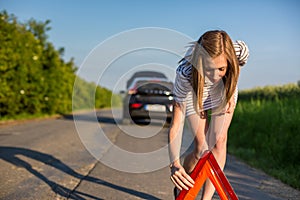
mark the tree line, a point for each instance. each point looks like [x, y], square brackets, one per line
[34, 78]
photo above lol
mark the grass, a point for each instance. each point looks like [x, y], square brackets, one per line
[266, 134]
[24, 117]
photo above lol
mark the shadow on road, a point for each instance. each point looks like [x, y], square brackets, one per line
[98, 118]
[107, 118]
[10, 154]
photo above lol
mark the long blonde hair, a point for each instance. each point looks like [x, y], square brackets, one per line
[213, 44]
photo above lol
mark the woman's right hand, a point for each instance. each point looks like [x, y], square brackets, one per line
[180, 178]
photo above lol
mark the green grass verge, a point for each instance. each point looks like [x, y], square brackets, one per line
[266, 134]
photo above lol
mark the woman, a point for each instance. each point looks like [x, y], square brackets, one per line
[206, 82]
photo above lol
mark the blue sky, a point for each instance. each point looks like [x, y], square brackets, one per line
[270, 28]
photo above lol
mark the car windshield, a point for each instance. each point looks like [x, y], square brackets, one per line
[135, 81]
[146, 75]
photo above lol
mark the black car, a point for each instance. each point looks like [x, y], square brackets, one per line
[149, 96]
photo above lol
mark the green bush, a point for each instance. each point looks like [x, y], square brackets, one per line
[34, 79]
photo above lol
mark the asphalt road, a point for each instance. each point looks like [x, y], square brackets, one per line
[92, 156]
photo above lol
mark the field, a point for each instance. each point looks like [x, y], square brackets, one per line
[265, 131]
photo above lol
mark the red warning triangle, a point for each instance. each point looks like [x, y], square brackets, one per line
[207, 167]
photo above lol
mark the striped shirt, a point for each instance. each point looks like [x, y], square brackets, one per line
[213, 93]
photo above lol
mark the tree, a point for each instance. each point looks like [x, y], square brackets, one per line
[34, 78]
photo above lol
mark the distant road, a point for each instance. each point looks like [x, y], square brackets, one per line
[46, 159]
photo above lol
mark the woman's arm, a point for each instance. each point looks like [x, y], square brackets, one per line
[175, 132]
[178, 175]
[230, 106]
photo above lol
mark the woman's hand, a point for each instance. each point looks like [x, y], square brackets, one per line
[180, 178]
[230, 105]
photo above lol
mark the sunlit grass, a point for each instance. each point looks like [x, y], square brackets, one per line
[266, 134]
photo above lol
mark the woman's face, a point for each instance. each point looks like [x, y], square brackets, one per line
[215, 68]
